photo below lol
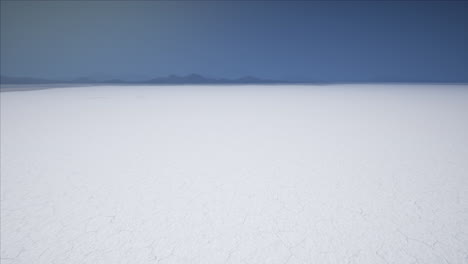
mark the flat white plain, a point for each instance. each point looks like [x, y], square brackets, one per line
[235, 174]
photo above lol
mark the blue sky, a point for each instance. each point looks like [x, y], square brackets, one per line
[287, 40]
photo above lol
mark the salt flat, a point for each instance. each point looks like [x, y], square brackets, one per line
[235, 174]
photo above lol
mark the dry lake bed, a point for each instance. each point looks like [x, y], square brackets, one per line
[235, 174]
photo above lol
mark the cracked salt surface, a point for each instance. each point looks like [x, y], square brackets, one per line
[235, 174]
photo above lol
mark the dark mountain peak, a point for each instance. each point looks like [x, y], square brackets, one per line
[194, 75]
[83, 80]
[248, 79]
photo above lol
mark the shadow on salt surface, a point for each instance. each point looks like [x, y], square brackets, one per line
[33, 87]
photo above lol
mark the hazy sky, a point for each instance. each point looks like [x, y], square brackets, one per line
[325, 41]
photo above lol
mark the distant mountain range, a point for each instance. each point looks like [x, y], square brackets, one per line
[171, 79]
[199, 79]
